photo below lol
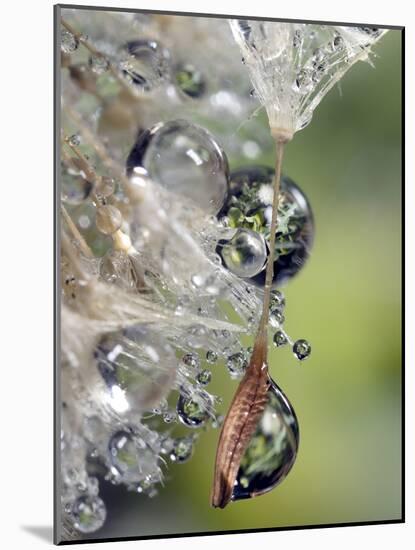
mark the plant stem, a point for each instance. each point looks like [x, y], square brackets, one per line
[269, 274]
[76, 234]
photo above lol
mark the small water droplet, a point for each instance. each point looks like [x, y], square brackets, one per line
[204, 377]
[277, 300]
[190, 81]
[338, 43]
[245, 254]
[182, 449]
[98, 64]
[280, 339]
[69, 42]
[130, 457]
[191, 360]
[74, 140]
[277, 316]
[169, 417]
[193, 411]
[272, 450]
[147, 65]
[211, 356]
[88, 514]
[237, 364]
[301, 349]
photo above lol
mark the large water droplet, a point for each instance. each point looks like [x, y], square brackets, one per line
[138, 367]
[272, 450]
[186, 160]
[249, 205]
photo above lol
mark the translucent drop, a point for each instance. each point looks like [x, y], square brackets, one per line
[104, 187]
[250, 192]
[138, 366]
[169, 417]
[74, 140]
[190, 81]
[280, 339]
[277, 300]
[237, 364]
[182, 449]
[147, 65]
[277, 316]
[185, 159]
[301, 349]
[194, 411]
[211, 356]
[115, 268]
[204, 377]
[88, 513]
[69, 42]
[245, 254]
[191, 360]
[131, 457]
[108, 219]
[98, 64]
[272, 450]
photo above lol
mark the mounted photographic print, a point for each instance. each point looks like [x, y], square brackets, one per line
[229, 274]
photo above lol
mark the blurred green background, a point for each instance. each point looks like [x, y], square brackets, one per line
[347, 303]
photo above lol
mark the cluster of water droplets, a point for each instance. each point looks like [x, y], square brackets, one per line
[178, 241]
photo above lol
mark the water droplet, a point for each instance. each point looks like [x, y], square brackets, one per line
[194, 411]
[191, 360]
[98, 64]
[237, 364]
[211, 356]
[204, 377]
[108, 219]
[338, 43]
[69, 42]
[169, 417]
[277, 316]
[190, 81]
[245, 254]
[251, 188]
[297, 38]
[74, 140]
[115, 268]
[280, 339]
[138, 366]
[303, 82]
[301, 349]
[277, 300]
[147, 65]
[130, 457]
[185, 159]
[272, 450]
[182, 449]
[88, 514]
[104, 187]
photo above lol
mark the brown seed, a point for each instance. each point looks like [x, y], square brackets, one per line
[240, 423]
